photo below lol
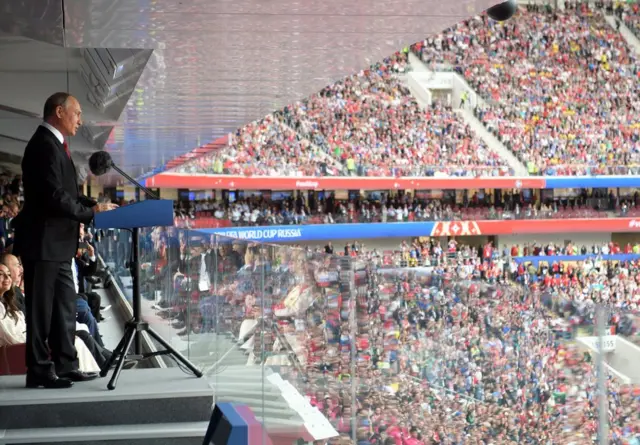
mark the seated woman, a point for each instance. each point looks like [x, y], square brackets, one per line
[13, 328]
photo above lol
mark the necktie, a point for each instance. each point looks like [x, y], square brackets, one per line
[66, 149]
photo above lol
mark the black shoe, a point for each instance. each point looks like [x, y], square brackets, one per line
[79, 376]
[177, 324]
[50, 382]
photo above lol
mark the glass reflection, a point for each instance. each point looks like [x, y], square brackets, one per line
[378, 352]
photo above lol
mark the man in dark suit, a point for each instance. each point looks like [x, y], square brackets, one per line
[46, 239]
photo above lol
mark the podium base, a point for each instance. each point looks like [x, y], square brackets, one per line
[134, 328]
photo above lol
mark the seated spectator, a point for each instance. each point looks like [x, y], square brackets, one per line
[15, 268]
[84, 265]
[13, 327]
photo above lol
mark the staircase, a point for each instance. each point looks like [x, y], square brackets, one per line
[626, 33]
[251, 386]
[493, 143]
[235, 377]
[208, 351]
[417, 65]
[149, 407]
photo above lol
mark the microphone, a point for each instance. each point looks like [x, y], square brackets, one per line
[100, 163]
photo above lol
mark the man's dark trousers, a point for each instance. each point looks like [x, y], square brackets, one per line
[51, 307]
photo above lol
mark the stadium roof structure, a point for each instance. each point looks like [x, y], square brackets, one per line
[159, 78]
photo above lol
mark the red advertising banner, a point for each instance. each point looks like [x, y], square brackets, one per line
[203, 223]
[535, 226]
[224, 182]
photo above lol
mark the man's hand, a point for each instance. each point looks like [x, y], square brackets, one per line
[91, 251]
[104, 207]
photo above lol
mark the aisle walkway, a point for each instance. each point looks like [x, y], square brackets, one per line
[493, 143]
[626, 33]
[625, 359]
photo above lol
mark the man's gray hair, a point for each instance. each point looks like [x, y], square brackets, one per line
[54, 101]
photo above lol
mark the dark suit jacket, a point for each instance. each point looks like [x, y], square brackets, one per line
[19, 299]
[48, 226]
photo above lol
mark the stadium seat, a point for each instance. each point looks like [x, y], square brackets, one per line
[12, 360]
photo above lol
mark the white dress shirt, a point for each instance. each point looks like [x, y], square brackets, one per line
[203, 282]
[74, 271]
[54, 130]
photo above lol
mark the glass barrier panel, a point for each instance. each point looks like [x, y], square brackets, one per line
[374, 349]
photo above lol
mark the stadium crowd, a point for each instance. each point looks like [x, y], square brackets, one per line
[560, 88]
[474, 346]
[369, 124]
[468, 350]
[258, 211]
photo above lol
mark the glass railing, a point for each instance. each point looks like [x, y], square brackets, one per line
[316, 343]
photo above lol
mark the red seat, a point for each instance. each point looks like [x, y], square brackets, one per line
[12, 360]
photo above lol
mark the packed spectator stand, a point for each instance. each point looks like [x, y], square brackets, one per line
[560, 88]
[466, 349]
[257, 211]
[366, 125]
[630, 15]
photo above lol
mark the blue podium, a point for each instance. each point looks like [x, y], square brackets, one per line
[148, 213]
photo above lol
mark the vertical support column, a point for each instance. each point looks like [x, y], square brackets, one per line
[603, 405]
[135, 279]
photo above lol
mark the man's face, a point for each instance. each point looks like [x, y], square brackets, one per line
[15, 268]
[70, 116]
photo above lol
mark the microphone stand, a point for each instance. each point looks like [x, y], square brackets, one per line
[139, 186]
[136, 326]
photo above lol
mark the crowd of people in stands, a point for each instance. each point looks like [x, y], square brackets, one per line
[258, 211]
[469, 350]
[560, 88]
[629, 14]
[366, 125]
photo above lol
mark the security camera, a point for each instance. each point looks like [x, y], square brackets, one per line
[502, 11]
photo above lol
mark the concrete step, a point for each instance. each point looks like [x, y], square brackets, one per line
[493, 143]
[268, 392]
[626, 33]
[143, 396]
[238, 373]
[188, 433]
